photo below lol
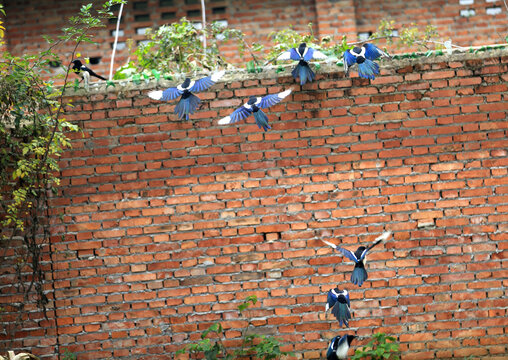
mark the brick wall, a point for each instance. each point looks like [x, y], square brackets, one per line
[256, 19]
[168, 225]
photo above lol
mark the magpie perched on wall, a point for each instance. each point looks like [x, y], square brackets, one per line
[85, 72]
[339, 304]
[339, 347]
[364, 56]
[254, 106]
[189, 102]
[359, 274]
[303, 55]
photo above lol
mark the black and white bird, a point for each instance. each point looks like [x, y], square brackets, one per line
[359, 274]
[303, 55]
[85, 72]
[339, 304]
[364, 56]
[254, 106]
[339, 347]
[188, 102]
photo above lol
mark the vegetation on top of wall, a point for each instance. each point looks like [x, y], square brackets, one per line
[380, 347]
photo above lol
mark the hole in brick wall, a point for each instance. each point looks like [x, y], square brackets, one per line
[119, 45]
[467, 12]
[112, 20]
[166, 3]
[193, 13]
[140, 5]
[115, 8]
[466, 2]
[168, 15]
[495, 10]
[192, 2]
[54, 64]
[362, 36]
[120, 33]
[94, 60]
[142, 17]
[219, 10]
[141, 30]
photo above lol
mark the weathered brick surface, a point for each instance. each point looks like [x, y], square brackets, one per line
[168, 224]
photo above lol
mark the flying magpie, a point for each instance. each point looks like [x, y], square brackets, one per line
[338, 303]
[189, 102]
[364, 56]
[339, 347]
[254, 106]
[79, 68]
[359, 274]
[303, 55]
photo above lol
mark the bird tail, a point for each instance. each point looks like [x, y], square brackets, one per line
[304, 72]
[342, 313]
[100, 77]
[359, 275]
[187, 106]
[261, 120]
[368, 69]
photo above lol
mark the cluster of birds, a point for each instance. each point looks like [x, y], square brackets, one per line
[338, 302]
[363, 56]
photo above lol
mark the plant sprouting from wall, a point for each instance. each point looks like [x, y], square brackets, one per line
[253, 346]
[407, 36]
[380, 347]
[33, 135]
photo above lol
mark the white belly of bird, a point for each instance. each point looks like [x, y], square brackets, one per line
[342, 352]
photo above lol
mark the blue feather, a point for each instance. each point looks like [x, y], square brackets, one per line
[368, 69]
[187, 106]
[261, 120]
[304, 72]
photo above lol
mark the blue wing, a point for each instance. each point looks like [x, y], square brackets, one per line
[372, 52]
[293, 54]
[350, 255]
[171, 94]
[347, 299]
[349, 60]
[309, 55]
[331, 299]
[239, 114]
[202, 84]
[269, 100]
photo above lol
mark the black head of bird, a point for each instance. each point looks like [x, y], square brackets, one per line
[301, 48]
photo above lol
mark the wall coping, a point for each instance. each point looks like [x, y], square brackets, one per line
[270, 72]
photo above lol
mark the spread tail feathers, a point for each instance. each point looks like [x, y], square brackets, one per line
[261, 120]
[368, 69]
[359, 275]
[304, 72]
[187, 106]
[342, 313]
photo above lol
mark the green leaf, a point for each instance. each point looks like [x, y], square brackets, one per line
[136, 79]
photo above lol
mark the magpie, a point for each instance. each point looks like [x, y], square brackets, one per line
[189, 102]
[303, 55]
[254, 106]
[359, 274]
[338, 303]
[339, 347]
[84, 71]
[364, 56]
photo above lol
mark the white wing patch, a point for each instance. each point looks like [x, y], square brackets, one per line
[319, 55]
[156, 95]
[283, 94]
[225, 120]
[286, 55]
[215, 77]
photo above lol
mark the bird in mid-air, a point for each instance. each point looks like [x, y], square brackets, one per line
[338, 302]
[254, 106]
[189, 102]
[339, 347]
[364, 56]
[85, 72]
[303, 55]
[359, 274]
